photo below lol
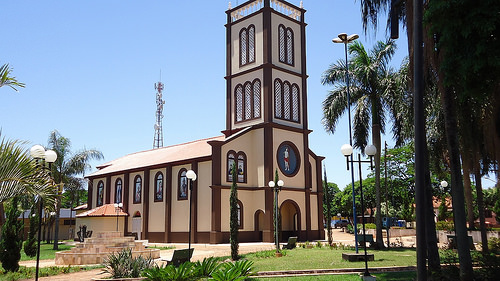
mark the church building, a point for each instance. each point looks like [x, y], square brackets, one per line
[266, 131]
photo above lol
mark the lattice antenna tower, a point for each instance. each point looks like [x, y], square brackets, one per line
[158, 139]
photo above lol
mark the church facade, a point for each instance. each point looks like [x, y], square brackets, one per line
[266, 132]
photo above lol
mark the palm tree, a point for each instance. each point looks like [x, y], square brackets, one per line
[7, 80]
[66, 169]
[371, 93]
[19, 174]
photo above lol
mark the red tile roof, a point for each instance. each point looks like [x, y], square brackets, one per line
[179, 152]
[107, 210]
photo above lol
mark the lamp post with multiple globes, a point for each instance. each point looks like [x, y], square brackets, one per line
[346, 39]
[41, 155]
[370, 150]
[276, 187]
[118, 206]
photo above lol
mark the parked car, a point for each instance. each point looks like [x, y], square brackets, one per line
[341, 223]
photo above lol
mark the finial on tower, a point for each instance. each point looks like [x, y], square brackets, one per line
[229, 6]
[301, 5]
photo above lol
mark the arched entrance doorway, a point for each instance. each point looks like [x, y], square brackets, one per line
[258, 224]
[290, 219]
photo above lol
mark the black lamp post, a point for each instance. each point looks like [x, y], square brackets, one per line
[118, 206]
[191, 175]
[345, 39]
[370, 150]
[39, 154]
[276, 187]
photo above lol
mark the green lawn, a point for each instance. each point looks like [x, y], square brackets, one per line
[393, 276]
[325, 258]
[46, 252]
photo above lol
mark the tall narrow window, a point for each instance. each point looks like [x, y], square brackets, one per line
[238, 160]
[118, 191]
[256, 98]
[278, 98]
[137, 189]
[239, 211]
[159, 187]
[286, 101]
[247, 100]
[100, 193]
[230, 165]
[285, 42]
[247, 45]
[239, 103]
[182, 191]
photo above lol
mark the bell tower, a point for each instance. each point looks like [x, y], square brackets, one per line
[266, 66]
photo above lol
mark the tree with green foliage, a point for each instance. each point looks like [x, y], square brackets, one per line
[12, 239]
[30, 245]
[65, 170]
[371, 91]
[327, 209]
[6, 78]
[233, 219]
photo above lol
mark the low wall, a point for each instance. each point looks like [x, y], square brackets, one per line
[476, 235]
[397, 232]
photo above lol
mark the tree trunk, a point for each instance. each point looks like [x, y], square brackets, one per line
[457, 187]
[58, 211]
[430, 225]
[480, 206]
[378, 198]
[469, 199]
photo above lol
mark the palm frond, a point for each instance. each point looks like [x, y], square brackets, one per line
[7, 80]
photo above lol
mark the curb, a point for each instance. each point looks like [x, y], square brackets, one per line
[312, 272]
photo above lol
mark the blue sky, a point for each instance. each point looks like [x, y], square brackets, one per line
[90, 68]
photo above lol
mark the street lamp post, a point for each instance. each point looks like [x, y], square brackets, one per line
[276, 187]
[39, 154]
[118, 206]
[346, 39]
[370, 150]
[191, 175]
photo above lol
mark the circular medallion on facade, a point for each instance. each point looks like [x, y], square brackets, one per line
[288, 158]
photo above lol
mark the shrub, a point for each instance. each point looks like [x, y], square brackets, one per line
[11, 242]
[369, 226]
[445, 225]
[184, 272]
[206, 267]
[123, 265]
[494, 245]
[236, 271]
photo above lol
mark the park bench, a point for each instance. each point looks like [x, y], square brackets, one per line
[292, 241]
[362, 239]
[180, 256]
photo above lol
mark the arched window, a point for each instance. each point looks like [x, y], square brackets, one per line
[100, 193]
[240, 214]
[118, 190]
[247, 100]
[285, 37]
[247, 45]
[137, 189]
[159, 187]
[240, 160]
[182, 186]
[230, 164]
[286, 101]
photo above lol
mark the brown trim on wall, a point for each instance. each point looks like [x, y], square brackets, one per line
[216, 161]
[107, 198]
[215, 231]
[168, 202]
[90, 190]
[126, 183]
[307, 195]
[145, 204]
[304, 69]
[319, 197]
[228, 72]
